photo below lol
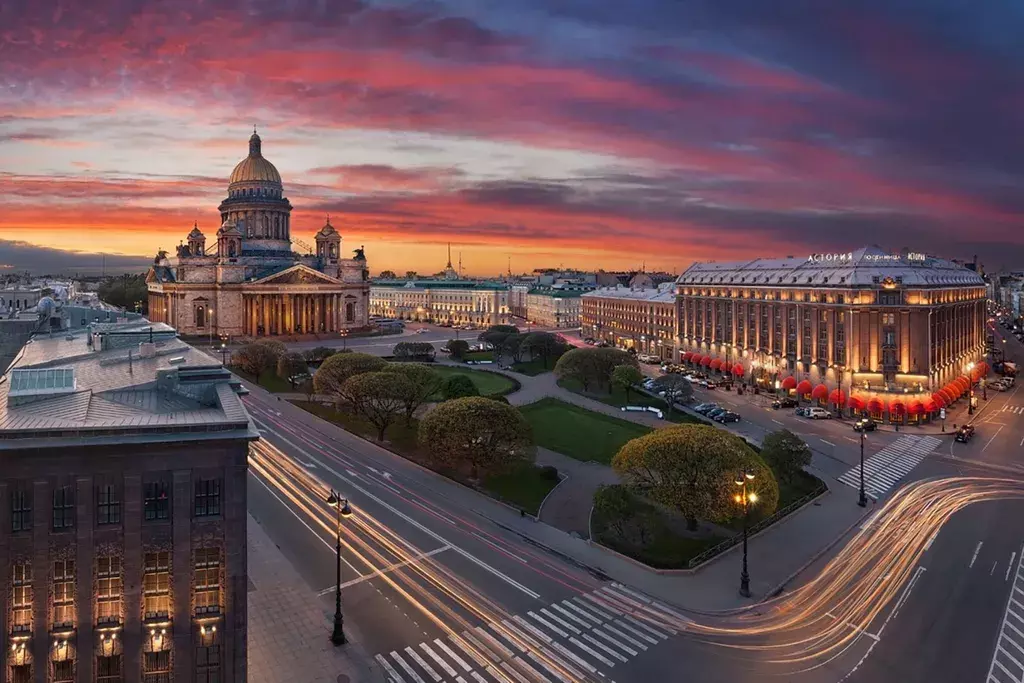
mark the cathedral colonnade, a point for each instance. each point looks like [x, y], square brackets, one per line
[307, 313]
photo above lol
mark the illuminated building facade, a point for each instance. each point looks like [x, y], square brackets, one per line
[123, 511]
[637, 318]
[880, 332]
[458, 302]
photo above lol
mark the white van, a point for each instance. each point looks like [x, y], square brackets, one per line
[816, 413]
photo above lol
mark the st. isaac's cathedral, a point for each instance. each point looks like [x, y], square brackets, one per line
[251, 283]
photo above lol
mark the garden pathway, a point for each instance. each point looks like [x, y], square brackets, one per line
[568, 506]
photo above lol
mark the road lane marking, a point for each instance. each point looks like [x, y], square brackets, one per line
[561, 622]
[591, 651]
[604, 647]
[457, 659]
[548, 624]
[440, 662]
[777, 422]
[510, 670]
[379, 572]
[977, 549]
[408, 669]
[1010, 566]
[473, 654]
[617, 642]
[992, 439]
[627, 637]
[829, 443]
[423, 664]
[436, 536]
[993, 571]
[390, 669]
[569, 615]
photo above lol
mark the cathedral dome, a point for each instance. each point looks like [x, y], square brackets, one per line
[254, 168]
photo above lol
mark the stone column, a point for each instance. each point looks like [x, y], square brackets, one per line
[84, 500]
[131, 567]
[181, 575]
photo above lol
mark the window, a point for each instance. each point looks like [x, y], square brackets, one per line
[21, 600]
[156, 502]
[108, 669]
[156, 584]
[63, 508]
[21, 510]
[108, 590]
[208, 664]
[64, 671]
[350, 312]
[156, 667]
[207, 580]
[888, 318]
[200, 316]
[890, 298]
[207, 497]
[21, 673]
[64, 593]
[109, 511]
[840, 298]
[889, 338]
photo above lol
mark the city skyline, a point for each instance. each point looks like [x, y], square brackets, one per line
[673, 134]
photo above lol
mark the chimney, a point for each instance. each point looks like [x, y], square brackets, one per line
[147, 349]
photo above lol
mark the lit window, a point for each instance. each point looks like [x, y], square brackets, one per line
[64, 592]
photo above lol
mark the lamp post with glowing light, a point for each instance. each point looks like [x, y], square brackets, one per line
[209, 323]
[746, 499]
[970, 394]
[223, 353]
[344, 338]
[341, 505]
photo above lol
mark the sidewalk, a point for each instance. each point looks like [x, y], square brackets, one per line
[777, 556]
[568, 505]
[289, 628]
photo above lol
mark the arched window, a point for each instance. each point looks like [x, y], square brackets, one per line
[200, 316]
[350, 312]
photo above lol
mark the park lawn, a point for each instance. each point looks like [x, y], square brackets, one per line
[524, 487]
[487, 383]
[532, 368]
[617, 398]
[402, 437]
[578, 432]
[479, 355]
[268, 380]
[802, 485]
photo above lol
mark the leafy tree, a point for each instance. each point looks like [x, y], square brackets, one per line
[626, 377]
[545, 345]
[458, 348]
[387, 275]
[292, 365]
[513, 347]
[254, 359]
[423, 384]
[616, 507]
[125, 291]
[276, 347]
[319, 354]
[786, 453]
[418, 351]
[592, 366]
[692, 468]
[458, 386]
[477, 434]
[378, 396]
[329, 379]
[676, 387]
[411, 275]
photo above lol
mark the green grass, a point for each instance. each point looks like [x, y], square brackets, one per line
[524, 487]
[532, 368]
[617, 398]
[402, 437]
[802, 485]
[268, 380]
[487, 383]
[479, 355]
[578, 432]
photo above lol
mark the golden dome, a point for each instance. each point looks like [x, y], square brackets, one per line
[254, 168]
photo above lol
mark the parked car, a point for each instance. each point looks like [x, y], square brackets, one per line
[965, 433]
[816, 413]
[601, 343]
[784, 402]
[421, 330]
[588, 340]
[800, 410]
[727, 416]
[865, 424]
[715, 412]
[703, 408]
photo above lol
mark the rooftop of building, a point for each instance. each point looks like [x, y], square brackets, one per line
[117, 383]
[561, 291]
[867, 266]
[440, 284]
[664, 293]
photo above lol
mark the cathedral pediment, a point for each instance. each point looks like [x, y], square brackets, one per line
[298, 275]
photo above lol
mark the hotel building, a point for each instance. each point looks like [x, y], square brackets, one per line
[557, 306]
[641, 318]
[892, 334]
[123, 510]
[459, 302]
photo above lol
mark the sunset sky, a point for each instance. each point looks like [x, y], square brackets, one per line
[585, 133]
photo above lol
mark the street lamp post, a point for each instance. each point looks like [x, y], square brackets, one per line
[970, 393]
[223, 353]
[344, 338]
[209, 321]
[341, 505]
[745, 498]
[862, 499]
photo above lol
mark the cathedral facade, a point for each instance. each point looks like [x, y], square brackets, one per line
[250, 283]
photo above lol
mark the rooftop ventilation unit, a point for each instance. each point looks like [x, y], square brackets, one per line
[177, 360]
[34, 384]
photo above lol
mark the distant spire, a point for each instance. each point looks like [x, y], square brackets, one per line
[449, 254]
[460, 264]
[195, 224]
[328, 219]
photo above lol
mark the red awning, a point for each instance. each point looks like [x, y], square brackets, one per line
[976, 373]
[819, 392]
[716, 364]
[705, 361]
[948, 395]
[804, 387]
[897, 407]
[789, 383]
[695, 358]
[915, 408]
[984, 368]
[963, 383]
[856, 403]
[837, 397]
[738, 370]
[939, 400]
[687, 356]
[875, 405]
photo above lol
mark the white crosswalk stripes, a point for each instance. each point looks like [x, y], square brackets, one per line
[886, 467]
[576, 639]
[1008, 659]
[1016, 410]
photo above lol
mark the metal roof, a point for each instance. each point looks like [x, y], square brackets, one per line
[864, 267]
[665, 293]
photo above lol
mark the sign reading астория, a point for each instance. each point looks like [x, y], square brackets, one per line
[844, 258]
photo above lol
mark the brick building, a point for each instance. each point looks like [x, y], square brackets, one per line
[123, 510]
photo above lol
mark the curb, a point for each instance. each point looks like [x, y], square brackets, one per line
[540, 508]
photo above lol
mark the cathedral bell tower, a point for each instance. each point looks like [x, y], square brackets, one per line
[328, 249]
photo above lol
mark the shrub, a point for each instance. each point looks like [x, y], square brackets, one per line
[458, 386]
